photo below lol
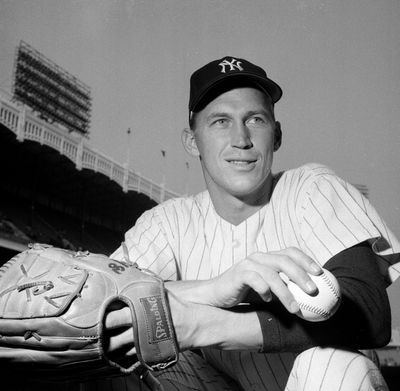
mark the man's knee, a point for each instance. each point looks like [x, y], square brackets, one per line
[335, 369]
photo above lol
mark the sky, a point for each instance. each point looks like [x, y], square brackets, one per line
[337, 62]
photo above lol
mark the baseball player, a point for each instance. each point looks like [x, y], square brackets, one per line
[222, 253]
[243, 231]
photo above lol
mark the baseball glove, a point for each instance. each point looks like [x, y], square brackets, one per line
[53, 304]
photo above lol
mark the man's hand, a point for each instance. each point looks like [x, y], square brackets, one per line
[259, 272]
[119, 335]
[54, 300]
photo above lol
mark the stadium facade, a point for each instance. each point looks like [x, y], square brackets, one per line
[57, 189]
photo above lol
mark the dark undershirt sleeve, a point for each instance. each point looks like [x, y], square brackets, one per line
[363, 320]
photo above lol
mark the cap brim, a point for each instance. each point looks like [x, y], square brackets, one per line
[267, 85]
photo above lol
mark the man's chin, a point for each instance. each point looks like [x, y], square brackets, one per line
[246, 191]
[251, 192]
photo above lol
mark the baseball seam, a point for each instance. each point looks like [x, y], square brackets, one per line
[315, 310]
[331, 286]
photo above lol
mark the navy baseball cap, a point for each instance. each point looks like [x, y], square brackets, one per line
[230, 71]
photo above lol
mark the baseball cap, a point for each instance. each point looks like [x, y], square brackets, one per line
[228, 71]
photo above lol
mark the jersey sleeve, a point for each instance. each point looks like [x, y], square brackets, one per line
[363, 320]
[148, 246]
[334, 215]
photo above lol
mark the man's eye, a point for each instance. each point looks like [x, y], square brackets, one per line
[256, 120]
[220, 122]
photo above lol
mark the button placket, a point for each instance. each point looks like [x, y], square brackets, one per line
[239, 242]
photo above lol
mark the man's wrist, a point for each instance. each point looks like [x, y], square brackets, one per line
[196, 291]
[184, 320]
[193, 326]
[199, 325]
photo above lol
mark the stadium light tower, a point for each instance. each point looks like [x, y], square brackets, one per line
[51, 91]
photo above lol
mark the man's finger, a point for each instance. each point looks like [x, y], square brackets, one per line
[122, 342]
[293, 262]
[118, 318]
[264, 280]
[255, 281]
[303, 260]
[299, 276]
[281, 291]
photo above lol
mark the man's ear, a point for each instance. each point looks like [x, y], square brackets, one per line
[277, 136]
[189, 142]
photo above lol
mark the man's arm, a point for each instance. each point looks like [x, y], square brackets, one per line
[200, 325]
[196, 326]
[207, 312]
[362, 321]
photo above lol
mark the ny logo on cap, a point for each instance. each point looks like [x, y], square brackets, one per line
[233, 64]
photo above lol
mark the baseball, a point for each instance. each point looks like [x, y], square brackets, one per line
[322, 305]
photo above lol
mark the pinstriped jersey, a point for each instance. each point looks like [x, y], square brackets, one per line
[310, 208]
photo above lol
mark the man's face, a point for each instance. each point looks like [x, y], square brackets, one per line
[234, 136]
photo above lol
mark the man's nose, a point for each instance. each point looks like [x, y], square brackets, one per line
[240, 136]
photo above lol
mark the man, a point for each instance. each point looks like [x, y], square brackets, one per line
[228, 245]
[221, 253]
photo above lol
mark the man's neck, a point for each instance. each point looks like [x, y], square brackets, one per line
[234, 209]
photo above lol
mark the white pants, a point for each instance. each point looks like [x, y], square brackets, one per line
[332, 369]
[316, 369]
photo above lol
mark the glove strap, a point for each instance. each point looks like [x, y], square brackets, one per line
[153, 331]
[157, 349]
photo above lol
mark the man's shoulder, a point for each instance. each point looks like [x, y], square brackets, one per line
[307, 173]
[310, 170]
[300, 180]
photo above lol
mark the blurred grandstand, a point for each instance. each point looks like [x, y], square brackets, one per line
[55, 187]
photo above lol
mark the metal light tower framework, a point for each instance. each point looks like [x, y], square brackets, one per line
[50, 90]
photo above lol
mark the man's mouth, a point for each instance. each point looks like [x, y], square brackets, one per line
[241, 163]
